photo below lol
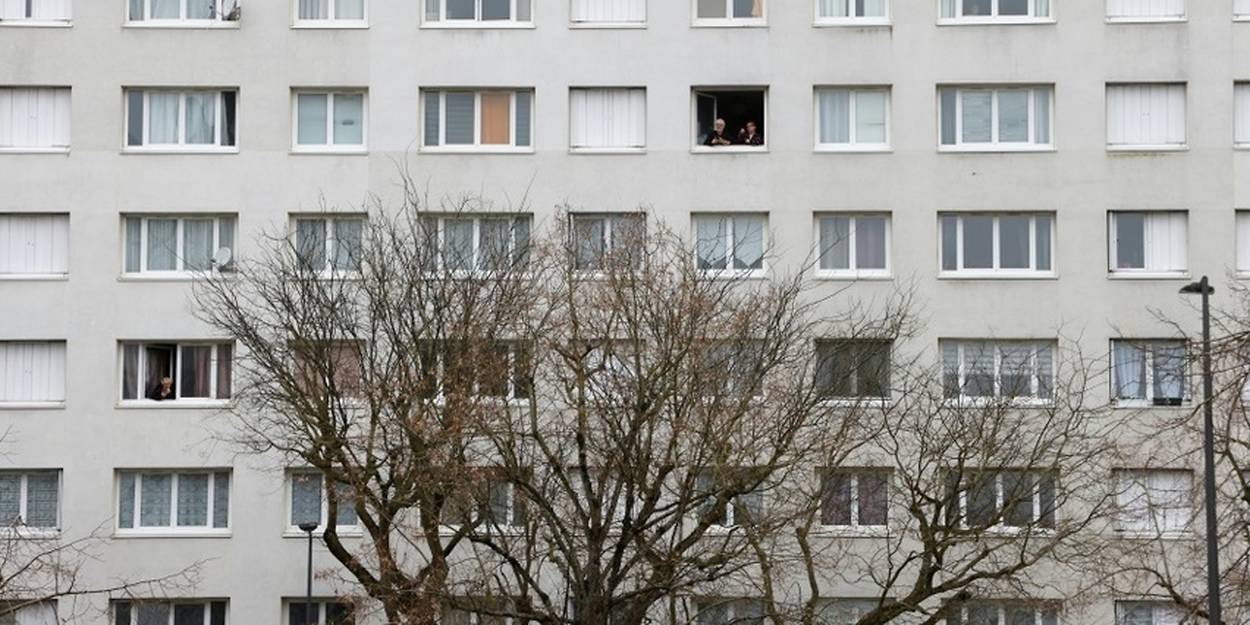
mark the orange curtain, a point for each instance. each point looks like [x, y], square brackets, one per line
[496, 118]
[757, 9]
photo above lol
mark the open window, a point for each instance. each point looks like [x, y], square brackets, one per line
[730, 119]
[176, 371]
[729, 13]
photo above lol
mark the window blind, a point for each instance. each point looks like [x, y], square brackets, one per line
[1146, 114]
[32, 371]
[34, 244]
[608, 118]
[1145, 8]
[611, 11]
[34, 117]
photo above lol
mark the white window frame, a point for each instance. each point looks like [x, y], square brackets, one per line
[24, 530]
[622, 149]
[1035, 518]
[729, 271]
[331, 249]
[1241, 110]
[59, 222]
[1241, 11]
[728, 21]
[321, 606]
[994, 145]
[1125, 478]
[178, 402]
[997, 344]
[960, 19]
[477, 218]
[134, 612]
[181, 146]
[853, 474]
[1146, 19]
[31, 22]
[608, 240]
[477, 146]
[329, 22]
[181, 271]
[575, 23]
[697, 148]
[853, 145]
[293, 531]
[62, 355]
[729, 521]
[510, 398]
[1002, 605]
[1148, 147]
[995, 272]
[221, 9]
[42, 149]
[1148, 362]
[854, 272]
[1242, 243]
[173, 529]
[330, 147]
[477, 21]
[852, 20]
[1145, 272]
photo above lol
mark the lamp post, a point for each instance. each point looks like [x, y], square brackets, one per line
[308, 527]
[1204, 288]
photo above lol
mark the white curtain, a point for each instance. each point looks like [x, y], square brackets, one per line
[38, 614]
[1241, 107]
[193, 500]
[835, 115]
[349, 9]
[1013, 115]
[1129, 365]
[42, 499]
[748, 242]
[1146, 114]
[870, 243]
[1041, 115]
[1241, 8]
[977, 125]
[349, 119]
[34, 244]
[312, 109]
[458, 244]
[874, 8]
[166, 9]
[10, 500]
[155, 505]
[833, 8]
[34, 117]
[1169, 494]
[870, 116]
[710, 233]
[1168, 365]
[32, 371]
[201, 117]
[611, 11]
[835, 243]
[40, 9]
[1145, 8]
[162, 245]
[314, 9]
[1167, 236]
[608, 118]
[197, 244]
[163, 118]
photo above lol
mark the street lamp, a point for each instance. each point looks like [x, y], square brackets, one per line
[1204, 288]
[308, 527]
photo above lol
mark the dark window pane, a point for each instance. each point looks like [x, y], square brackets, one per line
[1017, 498]
[978, 242]
[1130, 241]
[874, 496]
[1013, 7]
[835, 498]
[977, 7]
[189, 614]
[1013, 242]
[982, 496]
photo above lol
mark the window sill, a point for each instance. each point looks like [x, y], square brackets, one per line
[180, 150]
[995, 149]
[607, 25]
[30, 533]
[349, 531]
[32, 405]
[997, 275]
[853, 149]
[733, 274]
[328, 151]
[1146, 404]
[184, 24]
[33, 150]
[851, 531]
[982, 402]
[330, 25]
[995, 21]
[476, 25]
[20, 23]
[729, 149]
[1148, 20]
[1241, 18]
[853, 22]
[854, 276]
[172, 276]
[730, 23]
[34, 277]
[477, 150]
[1148, 535]
[1147, 148]
[607, 151]
[1148, 275]
[170, 533]
[856, 402]
[171, 404]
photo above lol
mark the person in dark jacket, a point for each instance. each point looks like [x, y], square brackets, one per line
[750, 135]
[717, 138]
[163, 391]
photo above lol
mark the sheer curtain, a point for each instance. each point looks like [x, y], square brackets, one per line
[314, 9]
[588, 235]
[870, 243]
[312, 118]
[976, 116]
[305, 498]
[196, 365]
[41, 499]
[835, 243]
[221, 499]
[835, 116]
[162, 244]
[349, 119]
[1130, 370]
[166, 9]
[126, 500]
[10, 499]
[197, 244]
[163, 118]
[748, 242]
[833, 8]
[154, 501]
[193, 500]
[347, 243]
[710, 232]
[1169, 371]
[870, 116]
[201, 118]
[349, 9]
[43, 613]
[310, 243]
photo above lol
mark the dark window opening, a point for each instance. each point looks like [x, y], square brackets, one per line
[726, 118]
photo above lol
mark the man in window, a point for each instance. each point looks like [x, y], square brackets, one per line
[163, 390]
[717, 138]
[750, 135]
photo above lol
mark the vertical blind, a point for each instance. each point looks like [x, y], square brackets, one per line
[1146, 114]
[1154, 241]
[1241, 107]
[609, 10]
[1145, 8]
[32, 371]
[608, 118]
[34, 117]
[38, 9]
[34, 244]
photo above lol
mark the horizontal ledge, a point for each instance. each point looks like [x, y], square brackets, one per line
[33, 150]
[181, 151]
[183, 24]
[19, 23]
[852, 149]
[32, 405]
[171, 404]
[853, 22]
[607, 25]
[476, 25]
[954, 276]
[330, 25]
[996, 149]
[1146, 275]
[1147, 148]
[996, 21]
[607, 151]
[34, 277]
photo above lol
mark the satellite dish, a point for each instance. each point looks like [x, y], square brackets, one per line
[222, 256]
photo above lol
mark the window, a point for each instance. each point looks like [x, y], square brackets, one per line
[608, 119]
[310, 505]
[32, 373]
[173, 120]
[33, 245]
[599, 240]
[476, 611]
[169, 244]
[176, 371]
[330, 13]
[173, 12]
[496, 504]
[30, 500]
[1243, 241]
[176, 612]
[478, 120]
[856, 246]
[173, 501]
[995, 10]
[1003, 498]
[1145, 10]
[853, 369]
[498, 370]
[1241, 9]
[609, 12]
[730, 243]
[1000, 612]
[34, 12]
[26, 612]
[1154, 501]
[852, 11]
[843, 611]
[1149, 613]
[989, 245]
[741, 509]
[1241, 108]
[1145, 116]
[729, 119]
[329, 244]
[854, 497]
[323, 612]
[985, 369]
[1149, 243]
[478, 13]
[852, 119]
[330, 121]
[1150, 372]
[729, 612]
[34, 119]
[996, 118]
[467, 243]
[729, 12]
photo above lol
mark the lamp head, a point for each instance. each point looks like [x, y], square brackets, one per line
[1197, 288]
[308, 526]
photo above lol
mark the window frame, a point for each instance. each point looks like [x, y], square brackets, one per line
[854, 474]
[698, 148]
[1146, 147]
[477, 147]
[996, 272]
[181, 147]
[728, 21]
[172, 603]
[215, 348]
[1001, 606]
[852, 20]
[1146, 19]
[636, 24]
[622, 149]
[219, 220]
[1145, 347]
[853, 145]
[23, 530]
[515, 395]
[440, 241]
[1036, 522]
[30, 22]
[1033, 399]
[729, 520]
[329, 271]
[173, 529]
[293, 531]
[959, 19]
[330, 147]
[608, 239]
[729, 271]
[220, 12]
[321, 601]
[853, 272]
[57, 223]
[994, 144]
[477, 22]
[1241, 101]
[330, 22]
[56, 90]
[1145, 272]
[857, 347]
[1125, 478]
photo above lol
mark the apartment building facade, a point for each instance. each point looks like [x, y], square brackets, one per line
[1041, 170]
